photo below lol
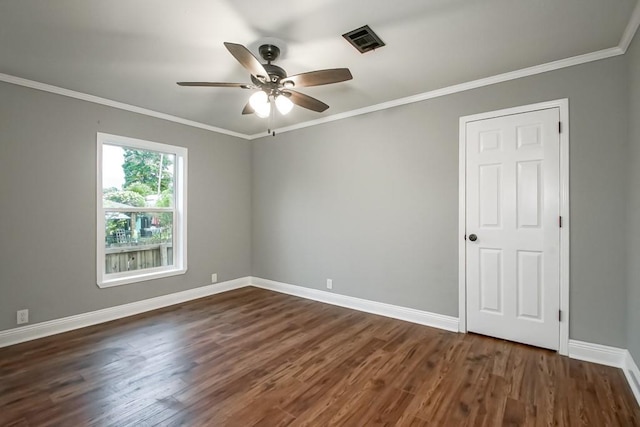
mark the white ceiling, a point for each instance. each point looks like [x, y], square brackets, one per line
[135, 51]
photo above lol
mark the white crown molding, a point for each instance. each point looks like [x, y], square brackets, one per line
[631, 29]
[596, 353]
[420, 317]
[625, 41]
[115, 104]
[632, 373]
[57, 326]
[450, 90]
[621, 49]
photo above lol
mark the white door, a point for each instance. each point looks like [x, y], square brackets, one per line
[512, 227]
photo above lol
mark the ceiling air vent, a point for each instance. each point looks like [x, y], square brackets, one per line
[364, 39]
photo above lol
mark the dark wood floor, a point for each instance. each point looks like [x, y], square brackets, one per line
[254, 357]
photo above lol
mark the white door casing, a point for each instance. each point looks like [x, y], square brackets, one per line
[512, 197]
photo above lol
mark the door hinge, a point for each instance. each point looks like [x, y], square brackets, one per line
[560, 221]
[559, 127]
[559, 315]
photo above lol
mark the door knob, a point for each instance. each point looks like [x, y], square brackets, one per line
[473, 237]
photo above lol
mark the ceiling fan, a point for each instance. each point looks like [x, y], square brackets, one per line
[273, 84]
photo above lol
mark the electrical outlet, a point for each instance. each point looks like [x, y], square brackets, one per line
[22, 316]
[214, 277]
[329, 284]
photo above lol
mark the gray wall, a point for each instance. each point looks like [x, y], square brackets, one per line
[633, 326]
[372, 201]
[47, 217]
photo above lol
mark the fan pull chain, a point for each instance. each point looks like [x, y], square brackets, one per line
[271, 118]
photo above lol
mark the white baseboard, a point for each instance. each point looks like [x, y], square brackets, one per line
[52, 327]
[596, 353]
[610, 356]
[632, 373]
[65, 324]
[402, 313]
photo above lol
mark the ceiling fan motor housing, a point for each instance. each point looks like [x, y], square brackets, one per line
[275, 74]
[269, 53]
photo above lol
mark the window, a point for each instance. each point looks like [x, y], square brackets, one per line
[142, 210]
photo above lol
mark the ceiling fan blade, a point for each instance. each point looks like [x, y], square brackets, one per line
[320, 77]
[305, 101]
[248, 109]
[247, 60]
[216, 84]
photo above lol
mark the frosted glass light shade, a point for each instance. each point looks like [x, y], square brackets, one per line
[283, 104]
[259, 101]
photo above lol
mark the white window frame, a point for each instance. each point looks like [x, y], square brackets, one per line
[179, 218]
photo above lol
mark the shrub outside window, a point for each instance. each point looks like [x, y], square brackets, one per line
[141, 210]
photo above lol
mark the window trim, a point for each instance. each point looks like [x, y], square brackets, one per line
[179, 218]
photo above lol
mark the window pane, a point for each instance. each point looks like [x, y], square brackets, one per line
[141, 210]
[138, 240]
[139, 178]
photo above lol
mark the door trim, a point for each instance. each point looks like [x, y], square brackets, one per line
[563, 106]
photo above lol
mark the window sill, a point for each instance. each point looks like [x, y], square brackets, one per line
[108, 283]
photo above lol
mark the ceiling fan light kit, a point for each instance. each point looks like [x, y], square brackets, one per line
[283, 104]
[273, 84]
[259, 101]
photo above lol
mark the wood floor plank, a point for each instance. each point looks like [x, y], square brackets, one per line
[254, 357]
